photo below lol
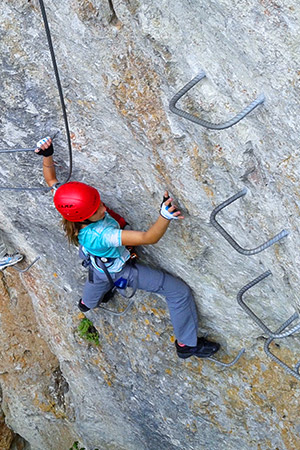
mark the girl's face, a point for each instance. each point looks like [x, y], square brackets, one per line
[99, 214]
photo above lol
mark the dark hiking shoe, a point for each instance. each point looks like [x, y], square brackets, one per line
[203, 349]
[82, 307]
[108, 296]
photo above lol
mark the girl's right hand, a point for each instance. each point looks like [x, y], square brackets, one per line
[44, 147]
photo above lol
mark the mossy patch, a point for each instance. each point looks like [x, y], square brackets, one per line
[88, 332]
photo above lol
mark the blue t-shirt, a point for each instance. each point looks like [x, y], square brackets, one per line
[103, 238]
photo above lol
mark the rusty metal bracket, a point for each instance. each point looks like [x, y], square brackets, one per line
[213, 126]
[230, 239]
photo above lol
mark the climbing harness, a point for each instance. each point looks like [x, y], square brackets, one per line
[120, 284]
[91, 261]
[42, 188]
[279, 334]
[26, 268]
[230, 239]
[213, 126]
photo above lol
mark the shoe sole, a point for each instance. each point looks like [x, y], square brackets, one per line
[10, 264]
[188, 355]
[82, 307]
[83, 310]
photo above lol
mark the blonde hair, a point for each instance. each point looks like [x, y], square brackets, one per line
[71, 230]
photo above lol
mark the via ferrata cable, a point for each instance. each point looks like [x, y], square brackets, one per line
[48, 34]
[58, 86]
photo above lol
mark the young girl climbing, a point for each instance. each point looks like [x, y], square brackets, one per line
[100, 234]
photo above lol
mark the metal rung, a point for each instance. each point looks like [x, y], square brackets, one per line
[223, 364]
[257, 320]
[294, 372]
[213, 126]
[230, 239]
[27, 268]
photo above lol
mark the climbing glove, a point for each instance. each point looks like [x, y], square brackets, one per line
[48, 151]
[164, 210]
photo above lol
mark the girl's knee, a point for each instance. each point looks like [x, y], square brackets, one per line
[177, 286]
[186, 290]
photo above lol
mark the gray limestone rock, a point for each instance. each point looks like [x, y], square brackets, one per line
[120, 63]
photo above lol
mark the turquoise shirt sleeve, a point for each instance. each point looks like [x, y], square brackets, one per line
[104, 239]
[110, 237]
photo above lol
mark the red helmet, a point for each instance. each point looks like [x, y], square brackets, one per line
[76, 201]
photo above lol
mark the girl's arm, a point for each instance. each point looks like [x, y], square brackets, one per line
[45, 148]
[157, 230]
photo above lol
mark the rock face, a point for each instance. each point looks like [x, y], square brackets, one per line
[120, 63]
[7, 435]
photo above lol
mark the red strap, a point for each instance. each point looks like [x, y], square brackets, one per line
[121, 221]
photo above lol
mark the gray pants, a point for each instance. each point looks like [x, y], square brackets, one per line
[3, 249]
[178, 296]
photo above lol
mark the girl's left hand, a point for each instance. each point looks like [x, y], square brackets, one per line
[169, 211]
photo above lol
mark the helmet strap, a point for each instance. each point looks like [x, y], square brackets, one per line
[85, 222]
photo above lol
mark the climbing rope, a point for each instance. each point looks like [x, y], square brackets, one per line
[43, 188]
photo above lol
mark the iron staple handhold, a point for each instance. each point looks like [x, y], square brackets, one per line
[27, 268]
[257, 320]
[295, 373]
[122, 313]
[297, 367]
[229, 238]
[230, 364]
[222, 126]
